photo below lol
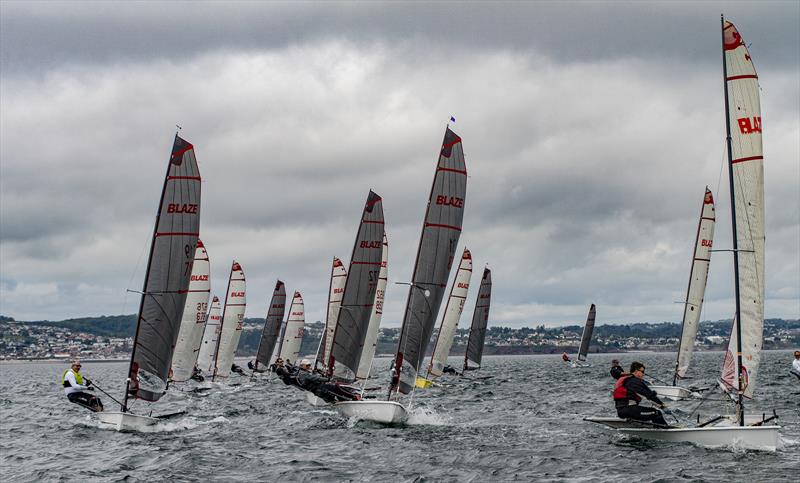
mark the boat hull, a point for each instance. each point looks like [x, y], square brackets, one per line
[384, 412]
[125, 421]
[315, 401]
[674, 393]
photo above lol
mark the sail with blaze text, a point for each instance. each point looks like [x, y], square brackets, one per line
[452, 314]
[194, 317]
[293, 330]
[747, 182]
[480, 319]
[586, 337]
[358, 298]
[232, 320]
[208, 347]
[698, 276]
[441, 230]
[371, 340]
[166, 283]
[335, 291]
[272, 325]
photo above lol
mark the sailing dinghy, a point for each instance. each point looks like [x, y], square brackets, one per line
[441, 230]
[586, 339]
[232, 320]
[480, 318]
[698, 275]
[746, 181]
[272, 327]
[184, 359]
[165, 287]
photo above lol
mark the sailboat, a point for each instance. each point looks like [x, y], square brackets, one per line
[208, 347]
[272, 326]
[371, 339]
[698, 275]
[480, 318]
[184, 358]
[232, 320]
[441, 230]
[746, 181]
[292, 336]
[452, 313]
[335, 291]
[165, 287]
[586, 339]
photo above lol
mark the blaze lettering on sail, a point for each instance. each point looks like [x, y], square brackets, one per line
[298, 314]
[371, 244]
[749, 125]
[463, 285]
[450, 201]
[705, 243]
[199, 278]
[183, 208]
[237, 294]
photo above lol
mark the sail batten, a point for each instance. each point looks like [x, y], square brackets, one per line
[480, 319]
[452, 313]
[272, 325]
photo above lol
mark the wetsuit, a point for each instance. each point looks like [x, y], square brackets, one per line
[627, 394]
[323, 388]
[449, 370]
[287, 374]
[617, 372]
[74, 388]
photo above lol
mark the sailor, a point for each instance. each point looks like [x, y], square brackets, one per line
[565, 357]
[308, 379]
[197, 374]
[74, 384]
[628, 392]
[236, 369]
[254, 367]
[616, 369]
[322, 386]
[796, 364]
[449, 370]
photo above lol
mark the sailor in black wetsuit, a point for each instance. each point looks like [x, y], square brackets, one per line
[322, 386]
[629, 391]
[616, 369]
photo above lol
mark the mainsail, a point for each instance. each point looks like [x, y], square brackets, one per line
[437, 246]
[272, 325]
[358, 298]
[746, 170]
[208, 347]
[371, 340]
[335, 292]
[480, 317]
[698, 275]
[586, 338]
[452, 314]
[292, 336]
[232, 320]
[194, 317]
[167, 277]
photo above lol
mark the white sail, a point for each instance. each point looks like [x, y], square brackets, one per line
[338, 281]
[452, 314]
[208, 347]
[698, 276]
[371, 339]
[293, 332]
[232, 320]
[747, 166]
[194, 317]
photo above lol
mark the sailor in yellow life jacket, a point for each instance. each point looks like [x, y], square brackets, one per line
[74, 386]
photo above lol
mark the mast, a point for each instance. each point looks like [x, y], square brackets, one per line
[737, 321]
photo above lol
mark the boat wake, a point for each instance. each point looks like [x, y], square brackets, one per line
[419, 416]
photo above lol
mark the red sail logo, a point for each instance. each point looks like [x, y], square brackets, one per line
[371, 244]
[450, 201]
[237, 294]
[189, 209]
[749, 125]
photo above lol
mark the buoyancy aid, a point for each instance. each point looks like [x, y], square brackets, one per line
[65, 382]
[621, 392]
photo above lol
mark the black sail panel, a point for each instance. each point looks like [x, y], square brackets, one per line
[480, 318]
[586, 338]
[272, 326]
[168, 274]
[359, 292]
[437, 247]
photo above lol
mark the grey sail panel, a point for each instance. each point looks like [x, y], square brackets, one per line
[480, 318]
[359, 292]
[168, 274]
[438, 241]
[272, 326]
[586, 338]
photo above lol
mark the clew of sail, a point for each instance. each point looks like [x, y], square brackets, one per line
[698, 276]
[232, 320]
[371, 340]
[335, 292]
[452, 314]
[747, 184]
[586, 337]
[272, 325]
[480, 318]
[194, 317]
[208, 347]
[292, 336]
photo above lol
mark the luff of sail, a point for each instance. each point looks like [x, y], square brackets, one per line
[371, 340]
[480, 318]
[194, 317]
[232, 320]
[292, 337]
[452, 313]
[358, 298]
[698, 276]
[167, 277]
[335, 292]
[586, 337]
[208, 347]
[272, 325]
[437, 246]
[747, 182]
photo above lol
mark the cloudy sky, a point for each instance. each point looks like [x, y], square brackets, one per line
[590, 131]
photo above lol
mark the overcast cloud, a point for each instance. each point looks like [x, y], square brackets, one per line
[590, 131]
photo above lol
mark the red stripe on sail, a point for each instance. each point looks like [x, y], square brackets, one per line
[235, 305]
[453, 142]
[702, 259]
[365, 263]
[177, 233]
[746, 76]
[436, 225]
[374, 222]
[742, 160]
[184, 177]
[451, 170]
[707, 218]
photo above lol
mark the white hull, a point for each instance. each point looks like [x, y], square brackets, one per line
[315, 401]
[674, 393]
[125, 421]
[385, 412]
[579, 364]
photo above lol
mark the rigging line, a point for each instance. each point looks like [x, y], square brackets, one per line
[148, 239]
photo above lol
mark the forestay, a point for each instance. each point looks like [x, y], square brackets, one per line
[480, 318]
[335, 292]
[194, 317]
[232, 320]
[293, 331]
[358, 298]
[452, 314]
[167, 276]
[272, 325]
[747, 168]
[208, 347]
[698, 276]
[437, 246]
[371, 340]
[586, 338]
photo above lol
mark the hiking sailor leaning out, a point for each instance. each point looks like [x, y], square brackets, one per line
[628, 392]
[74, 386]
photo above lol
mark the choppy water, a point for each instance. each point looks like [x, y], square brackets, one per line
[523, 424]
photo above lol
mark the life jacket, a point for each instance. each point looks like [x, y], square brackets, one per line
[621, 392]
[65, 382]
